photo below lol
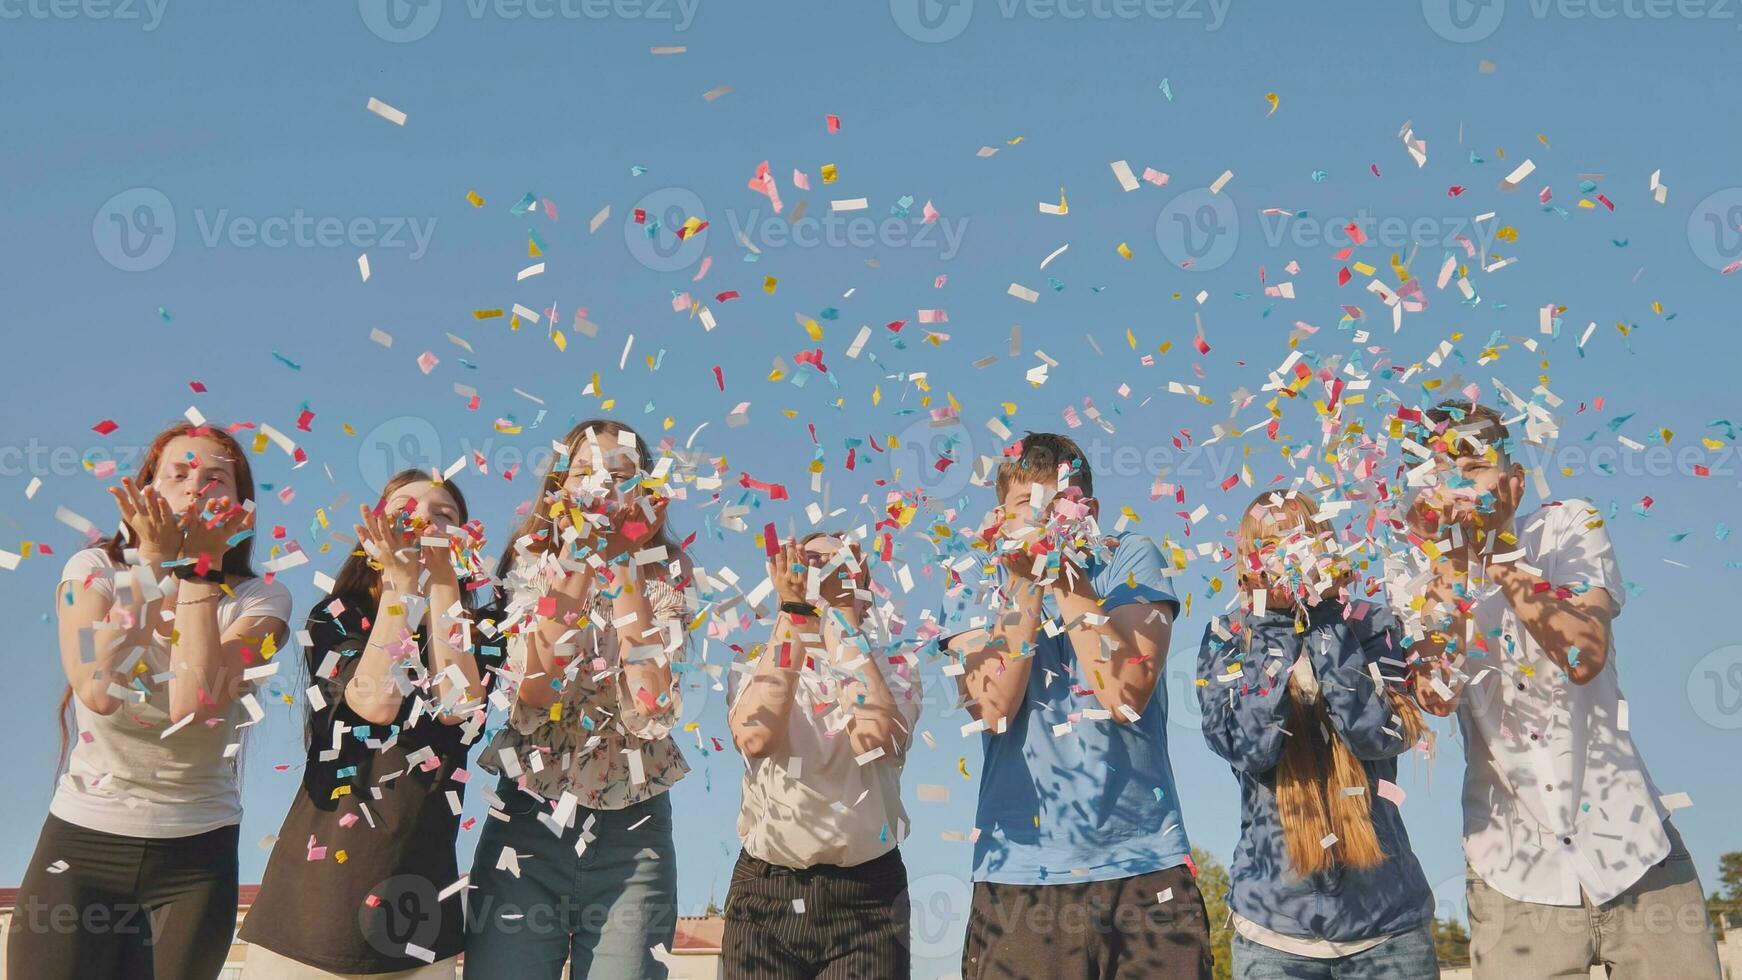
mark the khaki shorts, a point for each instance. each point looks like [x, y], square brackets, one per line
[1657, 928]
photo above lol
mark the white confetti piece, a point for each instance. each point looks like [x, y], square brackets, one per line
[386, 112]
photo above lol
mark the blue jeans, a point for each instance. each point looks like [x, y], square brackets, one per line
[1409, 956]
[601, 912]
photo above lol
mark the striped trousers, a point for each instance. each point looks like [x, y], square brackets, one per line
[823, 922]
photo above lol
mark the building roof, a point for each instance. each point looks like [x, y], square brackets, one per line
[699, 934]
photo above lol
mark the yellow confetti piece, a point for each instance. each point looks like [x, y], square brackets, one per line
[486, 314]
[532, 250]
[339, 791]
[1364, 268]
[1274, 100]
[476, 198]
[813, 329]
[1124, 250]
[1506, 234]
[340, 856]
[557, 338]
[768, 284]
[830, 174]
[962, 766]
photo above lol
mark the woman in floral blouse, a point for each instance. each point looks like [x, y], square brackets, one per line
[576, 863]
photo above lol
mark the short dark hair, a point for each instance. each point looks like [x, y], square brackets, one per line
[1471, 420]
[1038, 456]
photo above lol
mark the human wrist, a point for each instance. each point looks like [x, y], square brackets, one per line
[195, 590]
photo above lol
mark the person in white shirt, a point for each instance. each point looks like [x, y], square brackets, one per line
[135, 872]
[824, 718]
[1572, 860]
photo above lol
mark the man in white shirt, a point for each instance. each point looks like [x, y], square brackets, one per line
[1572, 861]
[824, 718]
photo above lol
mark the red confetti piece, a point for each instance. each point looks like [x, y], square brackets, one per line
[105, 427]
[834, 123]
[719, 378]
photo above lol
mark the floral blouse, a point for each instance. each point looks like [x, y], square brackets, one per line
[579, 742]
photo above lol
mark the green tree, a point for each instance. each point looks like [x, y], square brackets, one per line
[1727, 901]
[1213, 885]
[1451, 942]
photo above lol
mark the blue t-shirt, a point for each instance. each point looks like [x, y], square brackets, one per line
[1098, 799]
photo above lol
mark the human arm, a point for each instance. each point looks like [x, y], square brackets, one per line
[1243, 708]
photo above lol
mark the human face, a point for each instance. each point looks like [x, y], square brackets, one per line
[1483, 489]
[599, 465]
[1020, 502]
[423, 503]
[193, 470]
[819, 551]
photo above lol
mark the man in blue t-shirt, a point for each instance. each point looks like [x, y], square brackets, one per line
[1081, 865]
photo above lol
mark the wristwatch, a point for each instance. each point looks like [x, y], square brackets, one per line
[190, 573]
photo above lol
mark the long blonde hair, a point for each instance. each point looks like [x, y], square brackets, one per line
[1316, 764]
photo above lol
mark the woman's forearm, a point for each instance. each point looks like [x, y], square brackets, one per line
[759, 717]
[371, 692]
[199, 683]
[448, 658]
[539, 684]
[873, 719]
[632, 614]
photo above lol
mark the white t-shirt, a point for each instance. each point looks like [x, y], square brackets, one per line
[812, 803]
[1556, 798]
[124, 776]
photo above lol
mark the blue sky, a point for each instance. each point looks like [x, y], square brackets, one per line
[245, 127]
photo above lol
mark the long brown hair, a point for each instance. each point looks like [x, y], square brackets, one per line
[1316, 764]
[238, 562]
[537, 521]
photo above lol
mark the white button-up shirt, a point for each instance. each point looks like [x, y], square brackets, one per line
[1556, 797]
[812, 802]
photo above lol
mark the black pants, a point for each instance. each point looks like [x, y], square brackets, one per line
[854, 925]
[131, 907]
[1092, 930]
